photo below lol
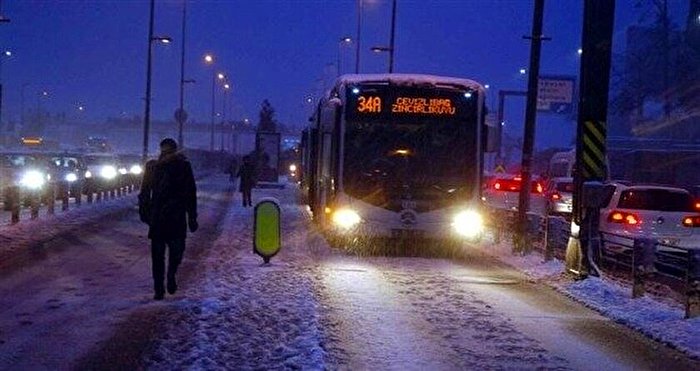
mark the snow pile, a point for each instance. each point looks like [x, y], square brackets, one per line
[244, 313]
[647, 315]
[29, 232]
[651, 316]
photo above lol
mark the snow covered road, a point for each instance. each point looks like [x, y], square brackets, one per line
[313, 307]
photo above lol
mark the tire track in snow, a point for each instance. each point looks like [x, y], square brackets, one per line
[370, 324]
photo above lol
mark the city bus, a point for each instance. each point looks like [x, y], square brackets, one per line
[396, 156]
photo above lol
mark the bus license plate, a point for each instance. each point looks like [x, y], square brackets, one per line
[407, 233]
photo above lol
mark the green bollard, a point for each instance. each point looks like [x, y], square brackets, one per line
[266, 229]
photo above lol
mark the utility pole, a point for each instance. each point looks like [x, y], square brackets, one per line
[393, 33]
[530, 117]
[147, 109]
[181, 116]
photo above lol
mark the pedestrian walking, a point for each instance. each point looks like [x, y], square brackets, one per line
[247, 174]
[168, 204]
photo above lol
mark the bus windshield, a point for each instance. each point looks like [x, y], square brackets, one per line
[430, 160]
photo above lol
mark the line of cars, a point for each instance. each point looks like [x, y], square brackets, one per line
[72, 172]
[667, 214]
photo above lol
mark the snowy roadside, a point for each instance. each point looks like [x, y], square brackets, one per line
[238, 311]
[651, 316]
[31, 232]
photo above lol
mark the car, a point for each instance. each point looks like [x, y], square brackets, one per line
[25, 170]
[130, 169]
[101, 172]
[67, 171]
[666, 214]
[503, 192]
[559, 196]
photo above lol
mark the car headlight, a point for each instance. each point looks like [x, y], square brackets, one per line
[88, 174]
[468, 224]
[108, 172]
[346, 218]
[33, 179]
[122, 171]
[136, 170]
[71, 177]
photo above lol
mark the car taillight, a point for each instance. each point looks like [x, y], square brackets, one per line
[538, 188]
[497, 185]
[556, 196]
[691, 221]
[624, 218]
[697, 205]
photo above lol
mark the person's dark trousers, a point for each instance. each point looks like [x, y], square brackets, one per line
[176, 249]
[247, 197]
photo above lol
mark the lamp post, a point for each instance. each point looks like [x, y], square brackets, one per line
[209, 60]
[391, 39]
[381, 49]
[5, 54]
[181, 115]
[226, 87]
[149, 67]
[357, 38]
[343, 41]
[21, 104]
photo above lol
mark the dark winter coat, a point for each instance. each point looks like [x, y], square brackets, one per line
[168, 197]
[247, 174]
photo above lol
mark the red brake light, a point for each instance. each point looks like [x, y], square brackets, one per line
[497, 185]
[697, 205]
[624, 218]
[556, 196]
[691, 221]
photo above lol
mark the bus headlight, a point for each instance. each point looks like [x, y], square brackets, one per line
[32, 179]
[108, 172]
[88, 174]
[468, 224]
[123, 171]
[136, 170]
[71, 177]
[346, 218]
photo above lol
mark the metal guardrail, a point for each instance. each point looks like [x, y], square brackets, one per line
[53, 192]
[646, 259]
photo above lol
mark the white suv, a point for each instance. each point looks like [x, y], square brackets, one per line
[666, 214]
[503, 192]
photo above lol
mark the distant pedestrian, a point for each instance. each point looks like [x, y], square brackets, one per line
[168, 204]
[247, 174]
[232, 170]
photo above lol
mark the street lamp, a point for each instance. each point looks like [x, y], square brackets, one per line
[523, 71]
[346, 40]
[209, 60]
[149, 67]
[226, 87]
[357, 38]
[180, 114]
[5, 54]
[382, 49]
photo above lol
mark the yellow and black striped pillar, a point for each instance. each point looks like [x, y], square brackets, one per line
[593, 150]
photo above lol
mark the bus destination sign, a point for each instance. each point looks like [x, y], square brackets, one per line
[406, 105]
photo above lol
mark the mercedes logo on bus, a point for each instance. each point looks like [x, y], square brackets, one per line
[408, 217]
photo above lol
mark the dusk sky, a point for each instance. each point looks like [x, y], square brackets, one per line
[93, 53]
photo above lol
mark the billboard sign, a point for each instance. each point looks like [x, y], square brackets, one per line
[556, 94]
